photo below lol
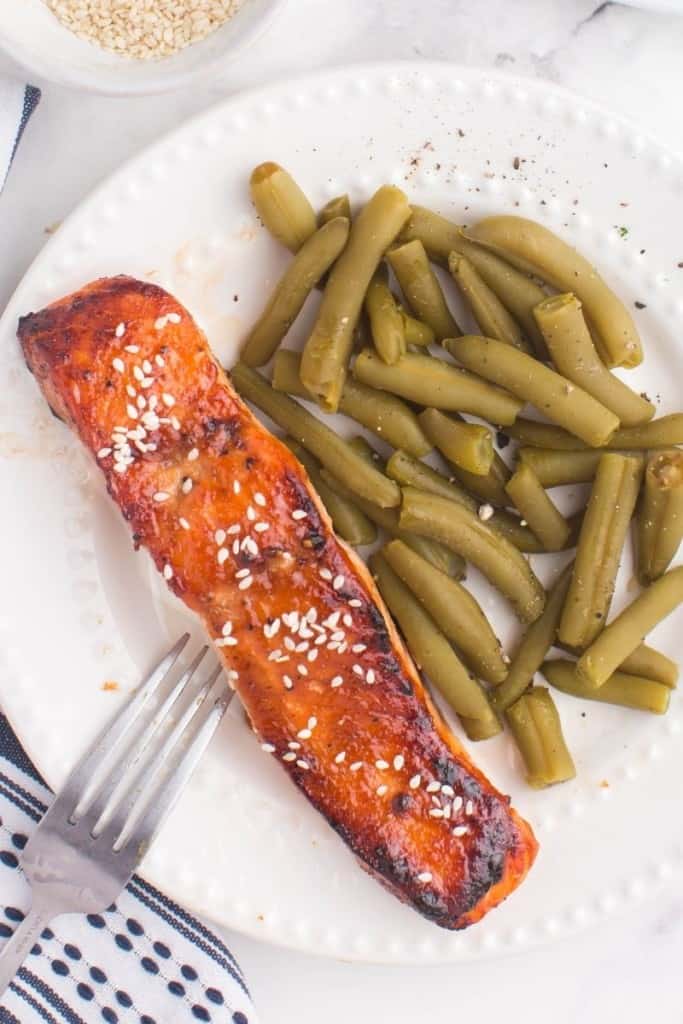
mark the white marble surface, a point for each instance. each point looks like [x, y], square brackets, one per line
[628, 59]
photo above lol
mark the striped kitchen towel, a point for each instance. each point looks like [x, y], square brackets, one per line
[17, 103]
[144, 961]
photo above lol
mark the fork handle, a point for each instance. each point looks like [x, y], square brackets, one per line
[17, 948]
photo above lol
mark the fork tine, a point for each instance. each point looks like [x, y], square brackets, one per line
[157, 800]
[111, 734]
[127, 763]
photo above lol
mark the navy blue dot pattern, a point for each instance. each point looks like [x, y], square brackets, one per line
[144, 960]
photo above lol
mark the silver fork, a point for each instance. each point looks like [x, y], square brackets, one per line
[106, 816]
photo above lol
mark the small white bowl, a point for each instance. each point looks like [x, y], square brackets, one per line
[33, 37]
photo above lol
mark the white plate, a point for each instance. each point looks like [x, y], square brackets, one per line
[79, 608]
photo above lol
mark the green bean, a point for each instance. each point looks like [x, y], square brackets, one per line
[428, 646]
[313, 259]
[431, 382]
[363, 448]
[438, 555]
[491, 315]
[340, 206]
[281, 205]
[665, 432]
[439, 235]
[489, 487]
[386, 322]
[660, 517]
[408, 472]
[534, 646]
[570, 344]
[646, 661]
[416, 332]
[453, 609]
[326, 353]
[544, 518]
[557, 468]
[618, 688]
[531, 381]
[421, 288]
[536, 727]
[524, 539]
[348, 520]
[632, 625]
[463, 532]
[536, 250]
[477, 729]
[468, 445]
[387, 416]
[605, 525]
[315, 436]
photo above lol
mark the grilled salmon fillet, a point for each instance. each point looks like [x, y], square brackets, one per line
[233, 524]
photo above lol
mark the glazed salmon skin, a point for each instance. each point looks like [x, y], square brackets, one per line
[234, 526]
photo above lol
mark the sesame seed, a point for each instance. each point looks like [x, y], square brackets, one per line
[251, 515]
[236, 487]
[522, 522]
[118, 364]
[173, 318]
[347, 620]
[336, 682]
[287, 680]
[382, 765]
[293, 745]
[160, 323]
[141, 402]
[137, 373]
[355, 603]
[289, 643]
[219, 537]
[341, 757]
[338, 582]
[299, 513]
[338, 636]
[460, 830]
[250, 545]
[120, 330]
[235, 528]
[355, 766]
[146, 382]
[302, 764]
[312, 655]
[325, 574]
[415, 782]
[168, 400]
[447, 811]
[235, 547]
[192, 454]
[120, 467]
[320, 639]
[168, 572]
[381, 790]
[268, 747]
[147, 367]
[447, 790]
[289, 756]
[332, 620]
[304, 734]
[245, 583]
[260, 527]
[161, 496]
[103, 452]
[485, 512]
[227, 628]
[457, 804]
[132, 411]
[436, 801]
[469, 807]
[433, 787]
[160, 361]
[399, 761]
[130, 391]
[357, 670]
[223, 553]
[133, 349]
[425, 877]
[370, 676]
[302, 670]
[270, 629]
[259, 499]
[436, 812]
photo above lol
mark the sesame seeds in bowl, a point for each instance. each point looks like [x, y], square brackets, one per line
[196, 39]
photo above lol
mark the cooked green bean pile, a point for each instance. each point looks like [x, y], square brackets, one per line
[543, 329]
